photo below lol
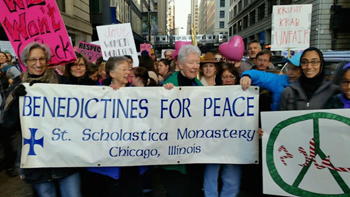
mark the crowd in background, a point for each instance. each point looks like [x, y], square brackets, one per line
[303, 87]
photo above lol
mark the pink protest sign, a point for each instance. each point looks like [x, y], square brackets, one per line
[90, 51]
[145, 47]
[26, 21]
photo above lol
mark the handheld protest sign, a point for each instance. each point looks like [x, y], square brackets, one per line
[90, 51]
[37, 21]
[145, 47]
[117, 40]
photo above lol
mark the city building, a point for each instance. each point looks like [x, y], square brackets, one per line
[195, 14]
[252, 19]
[189, 18]
[213, 16]
[76, 17]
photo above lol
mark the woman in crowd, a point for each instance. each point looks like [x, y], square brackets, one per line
[94, 73]
[208, 69]
[140, 78]
[46, 181]
[184, 180]
[230, 173]
[78, 72]
[164, 70]
[11, 71]
[311, 90]
[273, 82]
[344, 97]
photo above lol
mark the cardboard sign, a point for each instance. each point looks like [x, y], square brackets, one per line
[90, 51]
[291, 27]
[305, 152]
[28, 21]
[117, 40]
[138, 126]
[145, 47]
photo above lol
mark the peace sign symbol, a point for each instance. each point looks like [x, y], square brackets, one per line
[294, 188]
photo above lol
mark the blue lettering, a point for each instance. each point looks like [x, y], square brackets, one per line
[234, 109]
[132, 108]
[249, 106]
[27, 106]
[60, 106]
[162, 108]
[186, 108]
[52, 110]
[171, 112]
[35, 105]
[207, 107]
[105, 108]
[87, 107]
[86, 132]
[69, 107]
[143, 108]
[216, 106]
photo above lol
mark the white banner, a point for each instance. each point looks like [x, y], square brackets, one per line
[306, 153]
[291, 27]
[77, 126]
[117, 40]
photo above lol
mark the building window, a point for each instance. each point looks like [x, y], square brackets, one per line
[230, 31]
[245, 22]
[62, 5]
[239, 6]
[234, 29]
[245, 3]
[235, 11]
[286, 2]
[270, 4]
[239, 26]
[252, 17]
[222, 14]
[222, 24]
[222, 3]
[261, 12]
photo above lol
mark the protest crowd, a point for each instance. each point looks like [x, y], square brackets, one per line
[303, 87]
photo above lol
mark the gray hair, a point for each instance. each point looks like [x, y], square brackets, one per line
[35, 45]
[186, 50]
[114, 62]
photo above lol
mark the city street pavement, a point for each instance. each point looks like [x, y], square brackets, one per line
[14, 186]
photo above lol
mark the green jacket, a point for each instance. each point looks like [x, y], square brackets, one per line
[173, 79]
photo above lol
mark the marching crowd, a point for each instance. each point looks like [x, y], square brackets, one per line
[303, 87]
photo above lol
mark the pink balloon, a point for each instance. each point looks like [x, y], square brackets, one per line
[178, 45]
[233, 49]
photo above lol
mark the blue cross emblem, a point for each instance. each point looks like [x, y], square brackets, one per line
[32, 141]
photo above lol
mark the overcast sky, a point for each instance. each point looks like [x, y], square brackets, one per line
[182, 9]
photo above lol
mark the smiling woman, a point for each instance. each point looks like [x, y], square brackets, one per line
[78, 72]
[311, 90]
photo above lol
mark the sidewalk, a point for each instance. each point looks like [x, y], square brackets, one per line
[14, 186]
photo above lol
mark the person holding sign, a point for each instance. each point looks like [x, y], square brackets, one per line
[35, 57]
[311, 90]
[184, 180]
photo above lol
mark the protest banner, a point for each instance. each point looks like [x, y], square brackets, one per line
[145, 47]
[77, 126]
[117, 40]
[28, 21]
[291, 27]
[5, 46]
[305, 153]
[90, 51]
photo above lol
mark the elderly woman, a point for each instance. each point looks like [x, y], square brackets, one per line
[6, 67]
[184, 180]
[118, 71]
[35, 57]
[78, 72]
[189, 60]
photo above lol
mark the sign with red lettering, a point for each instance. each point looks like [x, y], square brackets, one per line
[145, 47]
[291, 26]
[90, 51]
[117, 40]
[26, 21]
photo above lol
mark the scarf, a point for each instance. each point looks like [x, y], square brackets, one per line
[184, 81]
[49, 76]
[345, 100]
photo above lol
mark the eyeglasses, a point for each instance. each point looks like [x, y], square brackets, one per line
[218, 59]
[125, 69]
[228, 77]
[345, 83]
[313, 62]
[262, 60]
[80, 65]
[41, 60]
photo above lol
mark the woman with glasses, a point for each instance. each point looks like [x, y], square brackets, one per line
[311, 90]
[230, 173]
[46, 181]
[78, 72]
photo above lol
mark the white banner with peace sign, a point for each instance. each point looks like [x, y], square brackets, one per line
[305, 153]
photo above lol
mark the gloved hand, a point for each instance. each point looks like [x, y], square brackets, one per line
[34, 81]
[20, 90]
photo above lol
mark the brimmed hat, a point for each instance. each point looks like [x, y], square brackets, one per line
[209, 58]
[295, 60]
